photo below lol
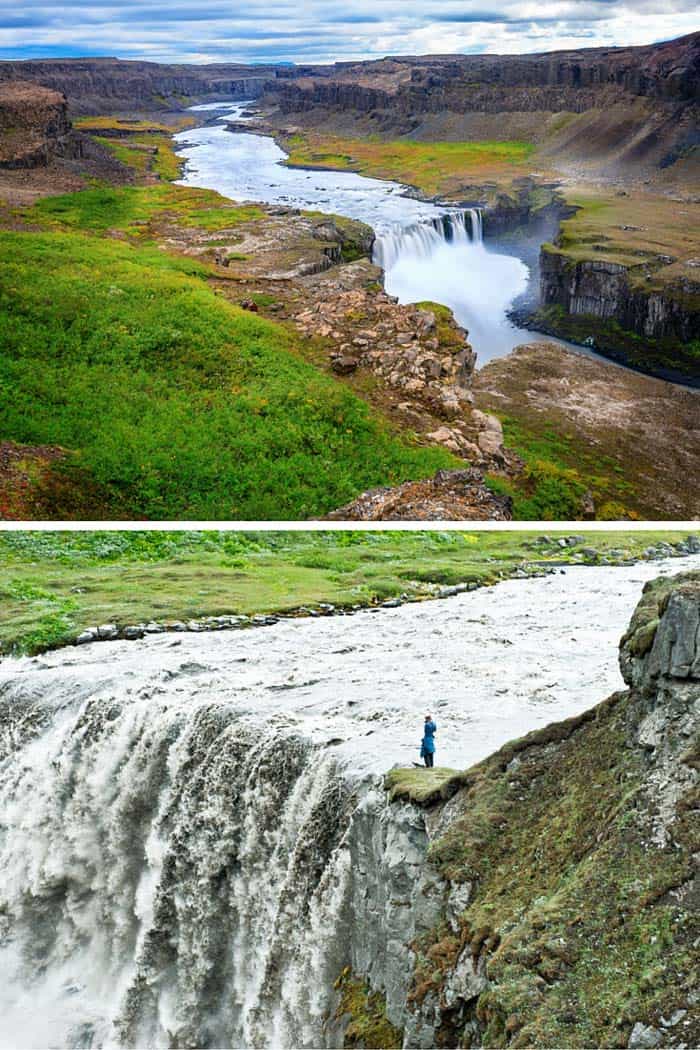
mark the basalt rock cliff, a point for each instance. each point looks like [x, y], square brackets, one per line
[643, 100]
[34, 126]
[108, 85]
[623, 312]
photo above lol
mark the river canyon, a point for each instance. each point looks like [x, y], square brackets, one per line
[427, 252]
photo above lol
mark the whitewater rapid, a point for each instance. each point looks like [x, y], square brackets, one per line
[193, 834]
[420, 262]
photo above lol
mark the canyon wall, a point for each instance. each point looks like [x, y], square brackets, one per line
[570, 81]
[108, 85]
[619, 307]
[34, 126]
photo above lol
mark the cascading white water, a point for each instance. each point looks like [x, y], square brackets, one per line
[421, 239]
[194, 839]
[173, 877]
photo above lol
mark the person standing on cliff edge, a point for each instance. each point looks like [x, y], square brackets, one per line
[427, 747]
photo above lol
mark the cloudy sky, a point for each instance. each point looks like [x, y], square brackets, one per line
[326, 30]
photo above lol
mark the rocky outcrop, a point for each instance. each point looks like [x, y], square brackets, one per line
[403, 345]
[108, 85]
[34, 126]
[566, 854]
[452, 495]
[607, 295]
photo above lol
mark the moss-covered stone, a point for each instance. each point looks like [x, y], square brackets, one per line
[368, 1025]
[422, 786]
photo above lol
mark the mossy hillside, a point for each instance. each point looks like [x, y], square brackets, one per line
[432, 167]
[148, 154]
[365, 1014]
[146, 146]
[571, 906]
[177, 403]
[559, 473]
[55, 584]
[138, 211]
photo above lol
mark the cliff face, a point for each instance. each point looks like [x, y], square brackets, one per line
[556, 81]
[607, 302]
[34, 126]
[100, 85]
[571, 857]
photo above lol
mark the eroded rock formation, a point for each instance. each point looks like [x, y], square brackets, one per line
[34, 126]
[107, 85]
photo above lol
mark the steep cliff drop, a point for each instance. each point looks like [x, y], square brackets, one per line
[181, 870]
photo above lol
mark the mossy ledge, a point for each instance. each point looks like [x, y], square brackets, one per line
[363, 1012]
[569, 860]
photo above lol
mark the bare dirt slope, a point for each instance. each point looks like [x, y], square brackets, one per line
[650, 428]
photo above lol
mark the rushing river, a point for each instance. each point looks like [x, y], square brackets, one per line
[420, 262]
[194, 839]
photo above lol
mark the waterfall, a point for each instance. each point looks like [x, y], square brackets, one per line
[420, 239]
[171, 876]
[174, 875]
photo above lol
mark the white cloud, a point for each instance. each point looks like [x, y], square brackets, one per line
[324, 30]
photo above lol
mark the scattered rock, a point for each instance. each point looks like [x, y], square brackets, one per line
[644, 1037]
[452, 495]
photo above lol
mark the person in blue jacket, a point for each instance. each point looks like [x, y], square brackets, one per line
[427, 747]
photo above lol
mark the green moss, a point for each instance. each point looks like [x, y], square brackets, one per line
[368, 1025]
[176, 403]
[421, 786]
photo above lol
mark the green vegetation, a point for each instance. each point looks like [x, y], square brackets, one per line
[368, 1025]
[558, 476]
[144, 145]
[434, 167]
[581, 933]
[176, 403]
[422, 786]
[55, 584]
[139, 210]
[146, 154]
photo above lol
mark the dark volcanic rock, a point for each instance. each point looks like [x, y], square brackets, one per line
[558, 81]
[34, 126]
[452, 495]
[97, 85]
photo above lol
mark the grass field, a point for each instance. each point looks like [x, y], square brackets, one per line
[53, 585]
[176, 403]
[139, 139]
[433, 167]
[135, 210]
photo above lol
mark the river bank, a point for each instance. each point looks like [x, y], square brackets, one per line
[61, 593]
